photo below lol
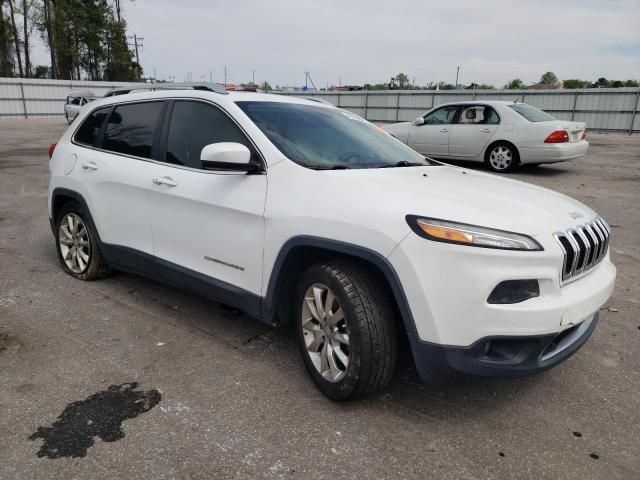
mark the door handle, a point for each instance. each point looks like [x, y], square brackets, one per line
[444, 130]
[168, 181]
[486, 130]
[89, 165]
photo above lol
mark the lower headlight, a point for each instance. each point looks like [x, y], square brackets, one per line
[472, 235]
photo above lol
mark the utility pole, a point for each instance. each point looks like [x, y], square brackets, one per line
[457, 72]
[225, 74]
[253, 77]
[137, 43]
[210, 76]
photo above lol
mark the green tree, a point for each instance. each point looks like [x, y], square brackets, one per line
[42, 71]
[549, 78]
[402, 80]
[631, 83]
[515, 84]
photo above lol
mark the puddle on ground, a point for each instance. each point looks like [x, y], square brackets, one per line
[99, 415]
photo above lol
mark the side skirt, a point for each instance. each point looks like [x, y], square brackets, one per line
[140, 263]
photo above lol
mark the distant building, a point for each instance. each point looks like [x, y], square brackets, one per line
[547, 86]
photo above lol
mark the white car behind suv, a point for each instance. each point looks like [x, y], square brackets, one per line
[304, 214]
[503, 135]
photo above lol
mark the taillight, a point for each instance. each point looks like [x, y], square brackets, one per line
[52, 147]
[584, 135]
[559, 136]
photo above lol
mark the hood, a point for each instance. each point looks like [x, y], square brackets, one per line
[463, 195]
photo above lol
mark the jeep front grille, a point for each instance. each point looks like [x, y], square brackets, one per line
[583, 247]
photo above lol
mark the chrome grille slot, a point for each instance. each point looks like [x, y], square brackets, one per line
[583, 247]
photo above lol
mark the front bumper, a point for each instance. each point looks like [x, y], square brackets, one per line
[500, 356]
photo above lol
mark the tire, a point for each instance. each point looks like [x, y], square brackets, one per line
[501, 157]
[367, 322]
[77, 246]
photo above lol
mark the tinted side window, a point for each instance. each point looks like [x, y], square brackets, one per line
[131, 128]
[88, 131]
[195, 125]
[441, 116]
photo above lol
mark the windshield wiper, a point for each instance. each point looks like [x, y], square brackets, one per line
[404, 163]
[333, 167]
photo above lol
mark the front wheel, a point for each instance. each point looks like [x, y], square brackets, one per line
[346, 330]
[502, 157]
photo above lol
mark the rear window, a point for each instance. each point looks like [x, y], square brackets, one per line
[532, 114]
[131, 128]
[87, 134]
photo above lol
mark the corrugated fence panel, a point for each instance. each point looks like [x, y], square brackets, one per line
[600, 108]
[43, 97]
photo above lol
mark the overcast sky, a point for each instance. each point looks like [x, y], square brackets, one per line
[361, 41]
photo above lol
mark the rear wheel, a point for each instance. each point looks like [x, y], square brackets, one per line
[345, 329]
[77, 245]
[502, 157]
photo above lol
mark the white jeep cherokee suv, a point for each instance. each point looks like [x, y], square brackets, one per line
[302, 213]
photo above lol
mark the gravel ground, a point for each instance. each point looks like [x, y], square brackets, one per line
[127, 378]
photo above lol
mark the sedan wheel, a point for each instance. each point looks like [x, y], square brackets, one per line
[325, 332]
[502, 158]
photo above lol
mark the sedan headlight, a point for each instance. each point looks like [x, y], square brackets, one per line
[472, 235]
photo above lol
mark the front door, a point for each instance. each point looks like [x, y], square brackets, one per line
[432, 137]
[203, 221]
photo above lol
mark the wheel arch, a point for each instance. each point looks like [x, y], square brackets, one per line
[300, 252]
[60, 197]
[496, 142]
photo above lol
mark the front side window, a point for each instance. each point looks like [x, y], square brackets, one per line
[442, 116]
[195, 125]
[532, 114]
[87, 134]
[131, 128]
[328, 138]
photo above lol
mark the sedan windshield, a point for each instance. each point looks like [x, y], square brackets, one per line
[531, 113]
[328, 138]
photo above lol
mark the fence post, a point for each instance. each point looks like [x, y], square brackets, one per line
[366, 103]
[575, 102]
[635, 111]
[398, 107]
[24, 100]
[339, 95]
[433, 99]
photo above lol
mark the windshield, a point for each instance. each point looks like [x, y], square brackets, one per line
[328, 138]
[531, 113]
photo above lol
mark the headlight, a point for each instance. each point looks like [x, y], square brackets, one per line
[472, 235]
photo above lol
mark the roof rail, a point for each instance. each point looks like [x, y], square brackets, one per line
[210, 87]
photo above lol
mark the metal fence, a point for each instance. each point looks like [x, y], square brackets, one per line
[30, 97]
[602, 109]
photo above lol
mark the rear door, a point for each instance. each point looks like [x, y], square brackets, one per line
[432, 137]
[206, 221]
[473, 131]
[114, 165]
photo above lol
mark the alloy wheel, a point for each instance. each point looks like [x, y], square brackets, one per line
[501, 157]
[325, 332]
[75, 246]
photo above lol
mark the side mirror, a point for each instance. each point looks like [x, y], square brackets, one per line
[226, 156]
[418, 121]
